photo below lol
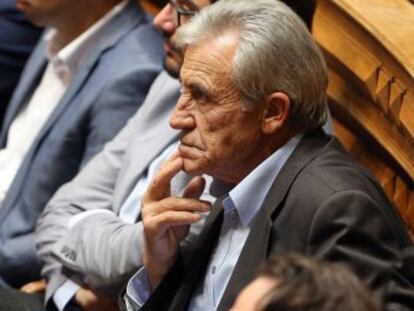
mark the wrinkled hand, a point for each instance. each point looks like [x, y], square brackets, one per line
[90, 301]
[167, 219]
[34, 287]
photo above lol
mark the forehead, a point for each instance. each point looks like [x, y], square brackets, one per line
[211, 57]
[251, 296]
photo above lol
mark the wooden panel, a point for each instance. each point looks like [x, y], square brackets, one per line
[390, 22]
[407, 114]
[152, 7]
[369, 46]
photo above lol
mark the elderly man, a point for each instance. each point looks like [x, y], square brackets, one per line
[86, 77]
[89, 234]
[252, 103]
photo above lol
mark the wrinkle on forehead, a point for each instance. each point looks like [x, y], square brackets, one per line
[210, 62]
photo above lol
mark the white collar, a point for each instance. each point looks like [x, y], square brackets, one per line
[66, 60]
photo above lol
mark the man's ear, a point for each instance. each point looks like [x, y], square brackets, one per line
[276, 113]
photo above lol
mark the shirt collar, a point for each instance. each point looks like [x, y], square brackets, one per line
[248, 196]
[66, 60]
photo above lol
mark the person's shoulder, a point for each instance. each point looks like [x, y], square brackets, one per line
[331, 172]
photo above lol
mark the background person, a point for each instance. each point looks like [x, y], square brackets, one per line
[86, 77]
[292, 282]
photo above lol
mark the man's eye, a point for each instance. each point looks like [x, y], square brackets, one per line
[186, 7]
[199, 95]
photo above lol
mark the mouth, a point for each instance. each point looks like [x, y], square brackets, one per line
[170, 48]
[188, 150]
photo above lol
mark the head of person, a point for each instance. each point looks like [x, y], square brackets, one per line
[292, 282]
[178, 12]
[58, 13]
[172, 16]
[252, 78]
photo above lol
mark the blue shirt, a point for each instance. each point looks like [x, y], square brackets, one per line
[240, 208]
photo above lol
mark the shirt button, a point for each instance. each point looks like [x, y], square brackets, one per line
[213, 270]
[234, 216]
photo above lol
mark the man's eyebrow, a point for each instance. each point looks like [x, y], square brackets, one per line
[194, 86]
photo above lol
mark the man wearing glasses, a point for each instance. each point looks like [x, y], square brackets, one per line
[88, 238]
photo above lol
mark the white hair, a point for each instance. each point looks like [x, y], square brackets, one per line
[276, 53]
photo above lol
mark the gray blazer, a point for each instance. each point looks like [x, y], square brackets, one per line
[102, 247]
[107, 90]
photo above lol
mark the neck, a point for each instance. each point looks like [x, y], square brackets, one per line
[80, 19]
[268, 145]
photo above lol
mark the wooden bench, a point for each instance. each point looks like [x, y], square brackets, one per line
[153, 6]
[369, 46]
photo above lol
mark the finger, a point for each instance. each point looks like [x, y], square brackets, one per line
[175, 204]
[195, 188]
[173, 156]
[155, 227]
[34, 287]
[159, 187]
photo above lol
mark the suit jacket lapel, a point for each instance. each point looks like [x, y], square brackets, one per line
[254, 253]
[250, 258]
[112, 32]
[152, 134]
[27, 84]
[146, 152]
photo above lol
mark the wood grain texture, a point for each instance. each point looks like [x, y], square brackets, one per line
[369, 47]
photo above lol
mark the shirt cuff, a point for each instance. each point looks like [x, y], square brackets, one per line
[138, 289]
[64, 294]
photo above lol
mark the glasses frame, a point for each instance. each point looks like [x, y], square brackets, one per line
[182, 11]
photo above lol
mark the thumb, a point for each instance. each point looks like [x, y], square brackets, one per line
[195, 188]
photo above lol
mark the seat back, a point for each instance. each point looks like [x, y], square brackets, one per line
[369, 47]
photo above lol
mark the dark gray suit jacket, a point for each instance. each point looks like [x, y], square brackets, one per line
[109, 87]
[321, 204]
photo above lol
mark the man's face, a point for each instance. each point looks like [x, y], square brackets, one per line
[167, 21]
[44, 12]
[250, 297]
[219, 137]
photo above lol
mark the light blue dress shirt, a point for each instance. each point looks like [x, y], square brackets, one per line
[240, 208]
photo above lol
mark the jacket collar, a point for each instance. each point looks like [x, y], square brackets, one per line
[253, 253]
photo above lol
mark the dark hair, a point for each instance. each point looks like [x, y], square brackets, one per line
[304, 8]
[304, 284]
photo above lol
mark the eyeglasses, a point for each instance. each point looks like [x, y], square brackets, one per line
[184, 8]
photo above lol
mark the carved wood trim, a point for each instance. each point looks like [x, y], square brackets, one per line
[371, 88]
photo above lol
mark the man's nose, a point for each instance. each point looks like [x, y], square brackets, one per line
[166, 20]
[182, 117]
